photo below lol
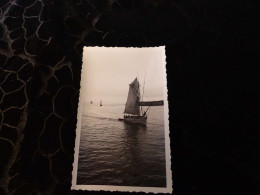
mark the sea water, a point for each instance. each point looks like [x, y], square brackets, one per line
[113, 152]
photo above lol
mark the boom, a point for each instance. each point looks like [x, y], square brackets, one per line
[151, 103]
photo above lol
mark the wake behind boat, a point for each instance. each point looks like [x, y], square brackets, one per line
[133, 109]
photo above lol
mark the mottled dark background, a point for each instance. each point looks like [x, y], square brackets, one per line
[211, 47]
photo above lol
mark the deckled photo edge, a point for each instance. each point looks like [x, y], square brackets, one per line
[168, 188]
[78, 127]
[166, 124]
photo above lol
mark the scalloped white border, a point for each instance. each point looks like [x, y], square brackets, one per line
[168, 188]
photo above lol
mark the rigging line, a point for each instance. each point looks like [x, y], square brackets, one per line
[143, 88]
[144, 84]
[138, 88]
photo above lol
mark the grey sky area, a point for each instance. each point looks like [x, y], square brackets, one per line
[107, 73]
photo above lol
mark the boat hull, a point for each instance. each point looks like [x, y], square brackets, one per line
[136, 120]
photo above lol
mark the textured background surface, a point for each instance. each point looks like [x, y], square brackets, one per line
[211, 46]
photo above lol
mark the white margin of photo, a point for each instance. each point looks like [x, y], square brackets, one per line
[168, 188]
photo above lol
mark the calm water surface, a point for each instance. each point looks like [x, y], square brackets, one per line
[116, 153]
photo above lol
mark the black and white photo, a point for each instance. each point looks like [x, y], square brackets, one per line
[122, 139]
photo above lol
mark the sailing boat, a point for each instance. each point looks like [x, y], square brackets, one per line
[133, 113]
[100, 102]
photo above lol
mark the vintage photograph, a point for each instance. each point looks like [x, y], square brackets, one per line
[122, 137]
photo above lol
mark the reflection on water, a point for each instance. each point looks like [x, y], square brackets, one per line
[116, 153]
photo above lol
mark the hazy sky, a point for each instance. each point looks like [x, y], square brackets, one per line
[107, 73]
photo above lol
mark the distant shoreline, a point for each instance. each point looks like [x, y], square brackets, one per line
[104, 104]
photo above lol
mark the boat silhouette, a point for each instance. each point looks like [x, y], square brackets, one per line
[133, 112]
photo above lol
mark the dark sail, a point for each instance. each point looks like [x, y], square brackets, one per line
[132, 103]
